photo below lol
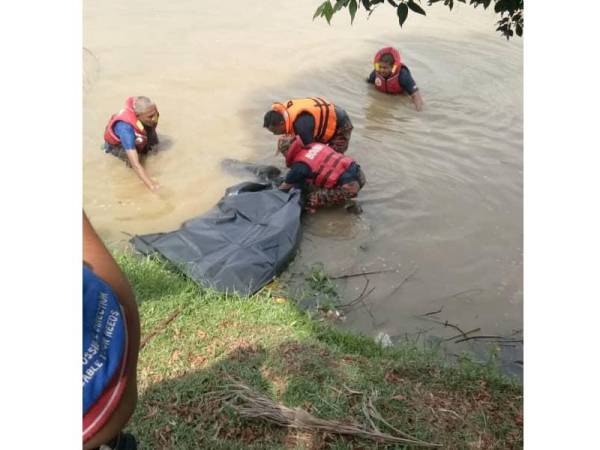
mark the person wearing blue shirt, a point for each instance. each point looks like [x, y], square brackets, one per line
[131, 134]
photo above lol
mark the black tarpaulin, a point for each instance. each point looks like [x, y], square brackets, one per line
[240, 245]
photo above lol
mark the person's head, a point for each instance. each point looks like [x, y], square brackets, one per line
[274, 122]
[146, 111]
[385, 65]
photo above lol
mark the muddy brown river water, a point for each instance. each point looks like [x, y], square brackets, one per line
[445, 186]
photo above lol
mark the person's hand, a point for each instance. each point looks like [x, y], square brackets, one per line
[284, 143]
[285, 186]
[155, 186]
[417, 100]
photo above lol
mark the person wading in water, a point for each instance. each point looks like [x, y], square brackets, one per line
[131, 133]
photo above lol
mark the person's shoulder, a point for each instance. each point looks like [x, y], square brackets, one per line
[122, 125]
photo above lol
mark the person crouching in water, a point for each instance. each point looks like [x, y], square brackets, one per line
[131, 133]
[314, 119]
[393, 77]
[329, 178]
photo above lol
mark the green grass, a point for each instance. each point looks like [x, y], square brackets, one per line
[276, 348]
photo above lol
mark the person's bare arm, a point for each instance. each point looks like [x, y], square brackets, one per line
[101, 262]
[134, 160]
[99, 259]
[417, 100]
[285, 186]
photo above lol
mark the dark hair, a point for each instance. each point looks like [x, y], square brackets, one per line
[387, 58]
[272, 118]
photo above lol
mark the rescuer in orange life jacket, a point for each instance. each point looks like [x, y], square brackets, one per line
[328, 177]
[131, 133]
[314, 119]
[391, 76]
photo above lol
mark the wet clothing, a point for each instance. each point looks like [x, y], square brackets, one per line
[127, 115]
[329, 198]
[120, 151]
[341, 139]
[317, 120]
[104, 352]
[305, 124]
[328, 177]
[321, 110]
[326, 165]
[405, 80]
[125, 132]
[348, 187]
[299, 172]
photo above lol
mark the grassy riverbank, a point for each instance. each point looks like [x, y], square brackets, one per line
[197, 344]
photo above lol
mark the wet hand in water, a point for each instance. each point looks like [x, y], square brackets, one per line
[418, 101]
[164, 194]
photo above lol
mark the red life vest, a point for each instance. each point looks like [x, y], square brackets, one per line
[390, 85]
[322, 111]
[126, 115]
[325, 163]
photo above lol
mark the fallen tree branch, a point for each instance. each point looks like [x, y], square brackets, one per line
[496, 338]
[446, 324]
[357, 300]
[432, 312]
[475, 330]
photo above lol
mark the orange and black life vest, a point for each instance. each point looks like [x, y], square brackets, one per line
[322, 110]
[326, 165]
[390, 85]
[126, 115]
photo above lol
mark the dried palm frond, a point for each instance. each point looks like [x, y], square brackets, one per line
[251, 404]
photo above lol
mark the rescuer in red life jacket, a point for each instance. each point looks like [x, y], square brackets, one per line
[314, 119]
[328, 177]
[391, 76]
[131, 133]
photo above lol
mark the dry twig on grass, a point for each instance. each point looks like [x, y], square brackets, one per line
[161, 326]
[251, 404]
